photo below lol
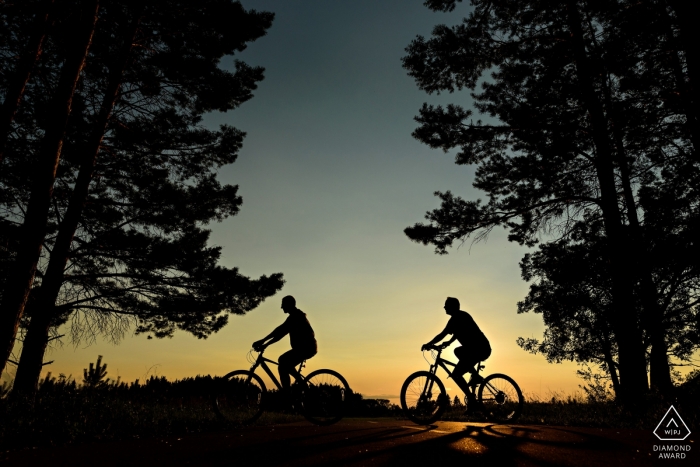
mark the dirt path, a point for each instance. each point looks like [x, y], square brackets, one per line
[371, 442]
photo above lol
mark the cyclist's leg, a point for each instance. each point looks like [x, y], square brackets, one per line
[288, 362]
[464, 365]
[468, 358]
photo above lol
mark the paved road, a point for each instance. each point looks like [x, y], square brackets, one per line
[360, 442]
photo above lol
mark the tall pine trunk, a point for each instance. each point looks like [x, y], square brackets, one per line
[685, 14]
[45, 313]
[624, 321]
[21, 278]
[23, 71]
[612, 366]
[659, 368]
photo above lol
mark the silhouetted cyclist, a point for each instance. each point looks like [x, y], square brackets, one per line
[301, 337]
[475, 346]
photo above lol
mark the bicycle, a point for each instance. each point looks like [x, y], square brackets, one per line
[320, 397]
[424, 399]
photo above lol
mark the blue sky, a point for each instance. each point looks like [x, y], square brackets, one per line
[330, 176]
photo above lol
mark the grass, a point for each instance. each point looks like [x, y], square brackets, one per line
[595, 407]
[576, 410]
[65, 412]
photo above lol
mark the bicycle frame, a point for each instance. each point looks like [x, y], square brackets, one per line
[424, 396]
[441, 362]
[262, 362]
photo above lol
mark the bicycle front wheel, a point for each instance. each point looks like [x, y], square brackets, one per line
[423, 397]
[501, 398]
[240, 396]
[324, 397]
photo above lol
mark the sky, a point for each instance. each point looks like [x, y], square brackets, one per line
[330, 176]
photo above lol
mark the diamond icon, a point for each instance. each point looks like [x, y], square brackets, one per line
[672, 427]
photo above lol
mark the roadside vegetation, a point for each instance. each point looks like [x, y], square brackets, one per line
[97, 408]
[583, 411]
[66, 411]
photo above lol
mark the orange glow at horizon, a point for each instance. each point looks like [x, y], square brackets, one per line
[373, 340]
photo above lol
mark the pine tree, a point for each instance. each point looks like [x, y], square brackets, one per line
[137, 182]
[95, 376]
[79, 28]
[32, 34]
[579, 134]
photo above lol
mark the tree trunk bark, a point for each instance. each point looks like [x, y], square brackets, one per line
[37, 338]
[684, 78]
[25, 65]
[685, 14]
[20, 281]
[659, 369]
[612, 367]
[631, 356]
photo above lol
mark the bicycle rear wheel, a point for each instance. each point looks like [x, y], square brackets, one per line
[324, 397]
[501, 398]
[240, 396]
[423, 397]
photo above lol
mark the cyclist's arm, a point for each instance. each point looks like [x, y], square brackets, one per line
[454, 338]
[437, 339]
[279, 332]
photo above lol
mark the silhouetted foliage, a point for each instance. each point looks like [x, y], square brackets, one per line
[95, 375]
[66, 412]
[358, 406]
[137, 179]
[597, 385]
[571, 289]
[8, 248]
[78, 25]
[587, 146]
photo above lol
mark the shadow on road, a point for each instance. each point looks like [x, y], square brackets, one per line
[366, 442]
[449, 442]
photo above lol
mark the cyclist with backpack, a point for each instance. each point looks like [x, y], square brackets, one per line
[301, 337]
[475, 346]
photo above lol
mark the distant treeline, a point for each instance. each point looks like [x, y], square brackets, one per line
[66, 411]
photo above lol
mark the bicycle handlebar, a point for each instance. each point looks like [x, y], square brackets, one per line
[251, 358]
[437, 347]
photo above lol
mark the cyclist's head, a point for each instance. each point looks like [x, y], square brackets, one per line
[451, 304]
[288, 303]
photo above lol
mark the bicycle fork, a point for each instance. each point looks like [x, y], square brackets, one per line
[428, 389]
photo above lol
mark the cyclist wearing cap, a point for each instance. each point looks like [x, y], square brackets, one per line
[475, 346]
[301, 337]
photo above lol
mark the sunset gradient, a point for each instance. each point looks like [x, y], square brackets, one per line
[330, 176]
